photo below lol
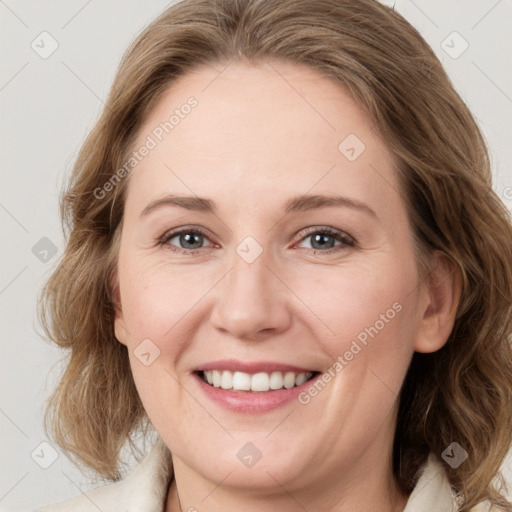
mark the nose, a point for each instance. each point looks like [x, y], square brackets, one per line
[252, 302]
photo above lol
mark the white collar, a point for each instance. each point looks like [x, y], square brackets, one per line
[432, 490]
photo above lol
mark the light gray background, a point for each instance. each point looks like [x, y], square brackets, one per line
[47, 106]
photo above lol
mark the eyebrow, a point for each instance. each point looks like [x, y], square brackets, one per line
[294, 204]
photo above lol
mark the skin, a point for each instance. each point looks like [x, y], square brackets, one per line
[259, 135]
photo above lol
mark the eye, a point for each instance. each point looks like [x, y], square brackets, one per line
[323, 240]
[188, 238]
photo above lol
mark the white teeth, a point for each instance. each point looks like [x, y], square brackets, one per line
[301, 378]
[260, 382]
[215, 378]
[241, 381]
[226, 381]
[289, 380]
[276, 380]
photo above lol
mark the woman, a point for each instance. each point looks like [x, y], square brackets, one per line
[338, 338]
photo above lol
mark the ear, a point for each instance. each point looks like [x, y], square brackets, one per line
[119, 323]
[440, 296]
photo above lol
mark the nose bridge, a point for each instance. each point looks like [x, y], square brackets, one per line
[251, 298]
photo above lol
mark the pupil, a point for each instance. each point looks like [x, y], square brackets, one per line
[188, 238]
[319, 237]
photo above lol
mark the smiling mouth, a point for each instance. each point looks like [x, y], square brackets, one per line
[256, 382]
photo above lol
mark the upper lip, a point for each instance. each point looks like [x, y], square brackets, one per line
[234, 365]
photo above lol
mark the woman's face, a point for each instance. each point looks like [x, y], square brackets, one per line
[295, 261]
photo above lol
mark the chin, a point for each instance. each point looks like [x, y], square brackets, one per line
[249, 465]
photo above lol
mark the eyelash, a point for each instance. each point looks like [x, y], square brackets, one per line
[345, 239]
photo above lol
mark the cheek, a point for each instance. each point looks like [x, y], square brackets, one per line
[157, 305]
[360, 302]
[367, 315]
[158, 298]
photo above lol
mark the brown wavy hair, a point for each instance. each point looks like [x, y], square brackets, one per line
[462, 392]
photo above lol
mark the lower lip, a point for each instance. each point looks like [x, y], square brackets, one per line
[253, 402]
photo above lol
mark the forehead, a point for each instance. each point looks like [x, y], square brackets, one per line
[260, 129]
